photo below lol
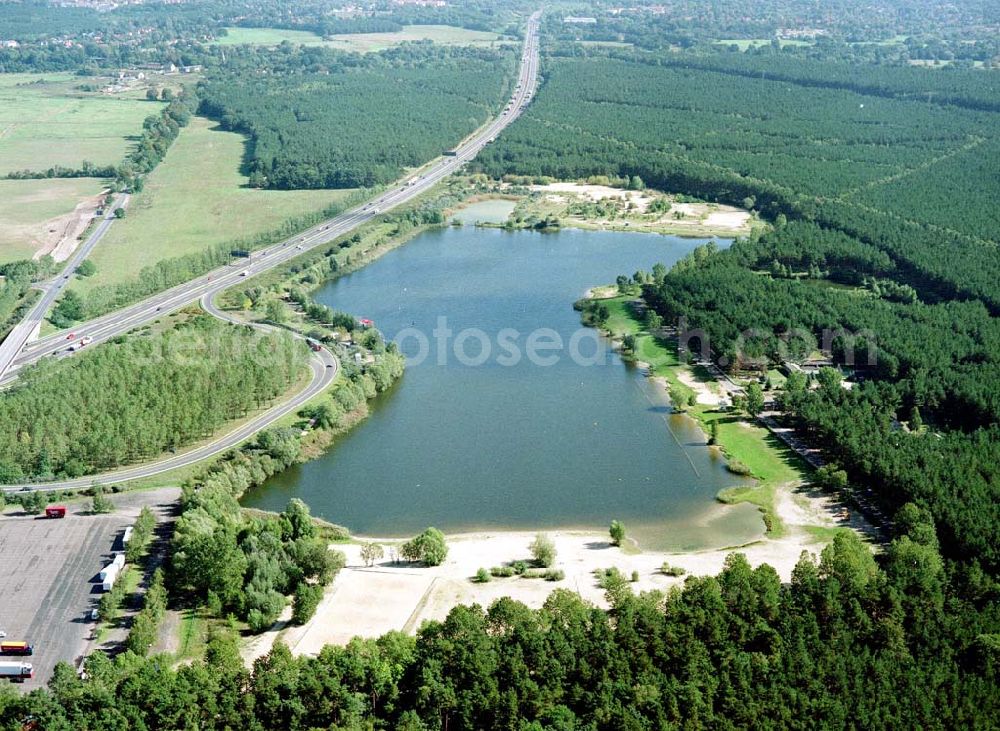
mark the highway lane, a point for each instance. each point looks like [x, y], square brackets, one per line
[121, 321]
[19, 335]
[324, 365]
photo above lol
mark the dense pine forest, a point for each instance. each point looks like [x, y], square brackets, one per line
[885, 205]
[139, 397]
[302, 110]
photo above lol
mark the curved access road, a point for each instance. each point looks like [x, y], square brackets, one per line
[122, 321]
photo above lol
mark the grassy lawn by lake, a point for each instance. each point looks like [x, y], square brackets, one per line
[45, 120]
[197, 197]
[359, 42]
[770, 462]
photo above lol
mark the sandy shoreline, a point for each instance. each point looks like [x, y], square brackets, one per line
[370, 601]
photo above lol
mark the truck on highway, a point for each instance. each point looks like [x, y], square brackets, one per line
[16, 672]
[85, 340]
[8, 647]
[55, 511]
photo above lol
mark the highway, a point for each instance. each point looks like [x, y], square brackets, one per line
[22, 332]
[121, 321]
[206, 287]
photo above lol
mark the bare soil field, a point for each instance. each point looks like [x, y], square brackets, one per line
[39, 217]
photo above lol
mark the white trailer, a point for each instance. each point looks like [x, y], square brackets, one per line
[110, 578]
[16, 672]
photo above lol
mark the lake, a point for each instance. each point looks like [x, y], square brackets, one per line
[494, 425]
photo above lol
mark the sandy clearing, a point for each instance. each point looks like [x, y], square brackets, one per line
[58, 236]
[703, 391]
[734, 219]
[693, 215]
[594, 193]
[368, 602]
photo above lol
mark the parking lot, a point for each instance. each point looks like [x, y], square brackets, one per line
[48, 575]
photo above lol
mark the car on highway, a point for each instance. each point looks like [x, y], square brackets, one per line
[299, 246]
[71, 336]
[245, 273]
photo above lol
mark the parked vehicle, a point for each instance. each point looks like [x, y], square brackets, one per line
[16, 648]
[55, 511]
[16, 672]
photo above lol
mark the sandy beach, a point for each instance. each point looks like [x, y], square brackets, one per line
[370, 601]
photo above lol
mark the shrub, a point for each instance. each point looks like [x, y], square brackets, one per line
[738, 468]
[519, 567]
[543, 550]
[635, 576]
[307, 598]
[372, 552]
[617, 532]
[502, 571]
[482, 576]
[101, 503]
[428, 547]
[668, 570]
[554, 575]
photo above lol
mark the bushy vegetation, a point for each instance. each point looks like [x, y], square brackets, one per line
[146, 623]
[142, 534]
[318, 119]
[428, 548]
[248, 565]
[140, 396]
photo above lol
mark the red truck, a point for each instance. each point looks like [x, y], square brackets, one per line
[15, 648]
[55, 511]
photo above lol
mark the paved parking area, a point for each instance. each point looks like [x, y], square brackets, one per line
[48, 575]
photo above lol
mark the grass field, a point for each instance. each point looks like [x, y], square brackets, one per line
[194, 199]
[28, 209]
[45, 120]
[360, 42]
